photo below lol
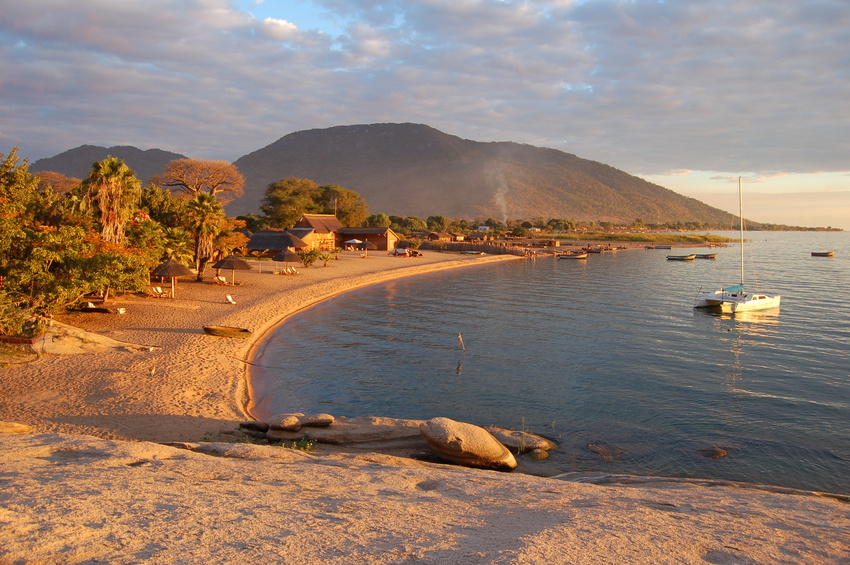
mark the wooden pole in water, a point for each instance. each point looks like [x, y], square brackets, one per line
[460, 342]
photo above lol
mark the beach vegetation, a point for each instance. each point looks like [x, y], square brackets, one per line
[304, 443]
[206, 221]
[111, 194]
[308, 257]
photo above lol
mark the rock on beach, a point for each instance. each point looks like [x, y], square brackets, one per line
[466, 444]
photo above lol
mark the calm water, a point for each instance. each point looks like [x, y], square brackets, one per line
[607, 351]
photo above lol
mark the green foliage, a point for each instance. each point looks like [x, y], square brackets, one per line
[378, 221]
[304, 443]
[309, 257]
[47, 267]
[163, 207]
[112, 193]
[348, 206]
[437, 223]
[205, 221]
[327, 256]
[289, 199]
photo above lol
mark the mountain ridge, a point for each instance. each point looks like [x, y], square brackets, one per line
[415, 170]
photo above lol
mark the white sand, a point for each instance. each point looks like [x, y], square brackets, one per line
[66, 497]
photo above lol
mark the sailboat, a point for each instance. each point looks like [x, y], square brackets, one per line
[733, 298]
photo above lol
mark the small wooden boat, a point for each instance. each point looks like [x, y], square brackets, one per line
[664, 247]
[690, 257]
[823, 253]
[706, 255]
[227, 331]
[572, 256]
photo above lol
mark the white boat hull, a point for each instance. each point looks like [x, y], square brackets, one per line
[750, 303]
[732, 302]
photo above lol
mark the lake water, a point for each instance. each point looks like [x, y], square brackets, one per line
[607, 351]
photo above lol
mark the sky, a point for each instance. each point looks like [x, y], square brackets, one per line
[687, 94]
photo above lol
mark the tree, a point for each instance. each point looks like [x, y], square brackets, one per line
[197, 176]
[289, 199]
[163, 207]
[112, 193]
[61, 184]
[345, 204]
[205, 222]
[378, 221]
[437, 223]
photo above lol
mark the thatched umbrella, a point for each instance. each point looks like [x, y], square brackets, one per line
[366, 246]
[287, 256]
[172, 269]
[234, 263]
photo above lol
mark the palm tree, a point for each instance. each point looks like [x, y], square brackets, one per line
[113, 192]
[205, 222]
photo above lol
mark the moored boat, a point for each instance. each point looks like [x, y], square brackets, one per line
[690, 257]
[733, 299]
[572, 255]
[823, 253]
[706, 255]
[227, 331]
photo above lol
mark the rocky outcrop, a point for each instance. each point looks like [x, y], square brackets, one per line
[466, 444]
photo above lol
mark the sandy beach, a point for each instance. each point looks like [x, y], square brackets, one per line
[90, 480]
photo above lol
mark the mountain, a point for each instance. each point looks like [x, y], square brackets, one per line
[77, 162]
[416, 170]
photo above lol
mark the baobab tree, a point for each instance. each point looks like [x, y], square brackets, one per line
[203, 176]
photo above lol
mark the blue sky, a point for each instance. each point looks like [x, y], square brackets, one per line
[687, 94]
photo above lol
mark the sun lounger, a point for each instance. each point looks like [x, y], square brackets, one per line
[218, 279]
[156, 292]
[229, 299]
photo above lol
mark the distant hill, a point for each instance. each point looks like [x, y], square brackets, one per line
[416, 170]
[77, 162]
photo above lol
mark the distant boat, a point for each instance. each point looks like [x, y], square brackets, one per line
[733, 298]
[664, 247]
[690, 257]
[572, 255]
[706, 255]
[823, 253]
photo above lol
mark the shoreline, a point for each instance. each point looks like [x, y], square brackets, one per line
[74, 490]
[153, 374]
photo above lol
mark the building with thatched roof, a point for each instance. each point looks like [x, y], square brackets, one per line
[318, 231]
[270, 243]
[384, 239]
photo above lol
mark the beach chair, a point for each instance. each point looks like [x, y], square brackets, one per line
[156, 292]
[218, 279]
[229, 299]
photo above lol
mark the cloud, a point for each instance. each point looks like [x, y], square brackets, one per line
[647, 87]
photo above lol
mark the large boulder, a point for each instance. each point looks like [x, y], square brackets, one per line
[466, 444]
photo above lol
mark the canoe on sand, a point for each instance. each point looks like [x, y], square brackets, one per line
[227, 331]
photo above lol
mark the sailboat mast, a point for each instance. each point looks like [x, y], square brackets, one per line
[741, 214]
